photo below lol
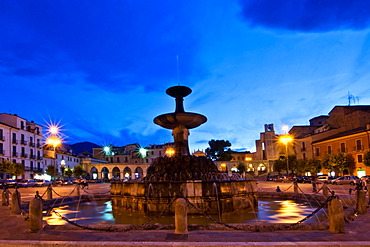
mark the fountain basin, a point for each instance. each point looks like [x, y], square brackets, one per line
[211, 196]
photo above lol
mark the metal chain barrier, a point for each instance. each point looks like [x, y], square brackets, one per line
[61, 195]
[209, 217]
[314, 212]
[289, 187]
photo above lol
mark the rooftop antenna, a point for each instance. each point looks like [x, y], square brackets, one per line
[178, 74]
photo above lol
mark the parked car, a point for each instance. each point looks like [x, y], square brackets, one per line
[281, 179]
[302, 179]
[25, 183]
[67, 182]
[94, 181]
[352, 180]
[42, 182]
[10, 183]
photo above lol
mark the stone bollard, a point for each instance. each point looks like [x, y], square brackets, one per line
[325, 190]
[5, 197]
[78, 190]
[49, 193]
[35, 214]
[16, 201]
[181, 217]
[295, 184]
[361, 202]
[336, 216]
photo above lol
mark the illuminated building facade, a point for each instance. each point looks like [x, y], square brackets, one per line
[21, 142]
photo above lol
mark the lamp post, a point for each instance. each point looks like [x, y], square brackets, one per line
[55, 142]
[285, 139]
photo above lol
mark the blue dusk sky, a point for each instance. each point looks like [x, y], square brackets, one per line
[101, 68]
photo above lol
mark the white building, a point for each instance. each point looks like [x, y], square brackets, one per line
[21, 142]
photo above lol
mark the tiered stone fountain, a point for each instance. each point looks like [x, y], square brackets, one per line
[183, 175]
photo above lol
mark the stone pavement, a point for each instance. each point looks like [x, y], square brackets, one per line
[14, 232]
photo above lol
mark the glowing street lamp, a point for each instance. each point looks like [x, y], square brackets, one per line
[54, 142]
[170, 151]
[286, 139]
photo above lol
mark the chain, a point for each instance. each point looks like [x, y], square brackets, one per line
[61, 195]
[314, 212]
[289, 187]
[209, 217]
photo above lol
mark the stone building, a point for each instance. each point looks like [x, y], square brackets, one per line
[346, 129]
[21, 142]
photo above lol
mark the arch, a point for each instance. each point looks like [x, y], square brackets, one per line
[105, 173]
[250, 168]
[116, 173]
[139, 172]
[261, 168]
[127, 173]
[94, 173]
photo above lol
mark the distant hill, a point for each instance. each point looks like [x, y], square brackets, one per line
[83, 147]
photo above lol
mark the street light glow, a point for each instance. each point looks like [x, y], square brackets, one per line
[285, 139]
[170, 151]
[142, 151]
[53, 130]
[53, 141]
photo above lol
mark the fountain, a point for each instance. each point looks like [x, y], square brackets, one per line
[183, 175]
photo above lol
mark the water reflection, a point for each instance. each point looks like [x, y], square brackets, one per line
[270, 211]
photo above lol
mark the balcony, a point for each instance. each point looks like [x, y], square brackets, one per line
[32, 156]
[14, 141]
[38, 145]
[358, 148]
[14, 154]
[23, 155]
[303, 149]
[39, 157]
[23, 142]
[2, 152]
[32, 144]
[2, 138]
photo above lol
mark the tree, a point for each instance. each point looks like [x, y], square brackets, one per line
[367, 158]
[242, 167]
[280, 165]
[337, 161]
[15, 169]
[78, 171]
[313, 166]
[68, 172]
[50, 170]
[218, 150]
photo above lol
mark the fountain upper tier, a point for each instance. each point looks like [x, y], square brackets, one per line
[179, 118]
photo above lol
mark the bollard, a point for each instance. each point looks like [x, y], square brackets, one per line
[325, 190]
[16, 199]
[5, 197]
[295, 187]
[77, 190]
[181, 217]
[35, 214]
[336, 216]
[361, 202]
[49, 193]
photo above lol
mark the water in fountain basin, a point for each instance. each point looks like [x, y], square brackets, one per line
[269, 211]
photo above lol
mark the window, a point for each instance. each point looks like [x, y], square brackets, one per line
[1, 149]
[317, 152]
[304, 156]
[342, 147]
[31, 165]
[1, 135]
[303, 147]
[14, 138]
[358, 145]
[359, 158]
[329, 150]
[117, 159]
[22, 125]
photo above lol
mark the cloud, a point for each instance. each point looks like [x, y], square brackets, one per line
[307, 15]
[113, 43]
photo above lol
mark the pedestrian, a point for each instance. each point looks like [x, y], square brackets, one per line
[278, 189]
